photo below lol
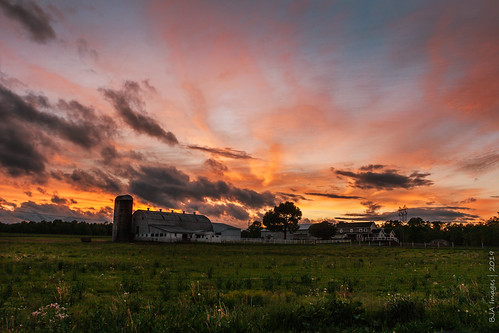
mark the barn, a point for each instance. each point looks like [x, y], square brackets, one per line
[170, 226]
[159, 226]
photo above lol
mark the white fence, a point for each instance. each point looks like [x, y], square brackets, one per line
[286, 241]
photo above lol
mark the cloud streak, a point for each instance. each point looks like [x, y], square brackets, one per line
[333, 196]
[387, 179]
[224, 152]
[31, 17]
[129, 105]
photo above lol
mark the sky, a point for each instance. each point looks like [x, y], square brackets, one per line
[350, 109]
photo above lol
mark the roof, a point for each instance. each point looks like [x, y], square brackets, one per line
[304, 226]
[354, 224]
[174, 222]
[377, 230]
[219, 227]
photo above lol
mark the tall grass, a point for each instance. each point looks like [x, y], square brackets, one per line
[64, 286]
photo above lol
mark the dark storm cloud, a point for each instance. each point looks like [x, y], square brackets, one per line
[31, 211]
[225, 152]
[371, 207]
[333, 196]
[58, 200]
[387, 179]
[443, 214]
[129, 105]
[19, 153]
[90, 180]
[216, 166]
[222, 210]
[169, 186]
[31, 17]
[480, 164]
[85, 129]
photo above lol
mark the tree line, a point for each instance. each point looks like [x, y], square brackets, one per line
[285, 217]
[417, 230]
[59, 227]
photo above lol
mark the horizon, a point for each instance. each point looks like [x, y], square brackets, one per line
[349, 109]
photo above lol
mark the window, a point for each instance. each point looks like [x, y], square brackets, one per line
[137, 232]
[341, 231]
[351, 230]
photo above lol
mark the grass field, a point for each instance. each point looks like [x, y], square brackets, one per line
[57, 283]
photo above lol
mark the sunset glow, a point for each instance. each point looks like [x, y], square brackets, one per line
[350, 109]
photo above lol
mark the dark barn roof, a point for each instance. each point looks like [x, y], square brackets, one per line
[174, 222]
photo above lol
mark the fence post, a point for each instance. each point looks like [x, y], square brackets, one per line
[412, 244]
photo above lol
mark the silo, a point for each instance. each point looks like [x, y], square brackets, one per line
[122, 223]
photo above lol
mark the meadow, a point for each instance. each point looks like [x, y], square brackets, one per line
[59, 284]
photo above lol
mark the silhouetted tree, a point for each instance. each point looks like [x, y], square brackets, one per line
[283, 218]
[323, 230]
[255, 229]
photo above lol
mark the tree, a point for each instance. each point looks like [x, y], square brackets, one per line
[323, 230]
[255, 229]
[283, 218]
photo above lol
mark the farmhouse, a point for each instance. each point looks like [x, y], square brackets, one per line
[359, 231]
[364, 232]
[160, 226]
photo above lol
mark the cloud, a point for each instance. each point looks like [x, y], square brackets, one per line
[4, 202]
[468, 200]
[31, 17]
[61, 201]
[387, 179]
[84, 51]
[443, 214]
[480, 164]
[130, 107]
[29, 136]
[225, 152]
[20, 153]
[216, 166]
[333, 196]
[170, 187]
[372, 207]
[371, 167]
[223, 210]
[91, 180]
[31, 211]
[292, 196]
[85, 128]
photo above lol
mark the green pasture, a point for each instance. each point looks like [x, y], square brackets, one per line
[58, 283]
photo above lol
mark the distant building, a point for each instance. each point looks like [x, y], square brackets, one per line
[364, 232]
[358, 231]
[225, 232]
